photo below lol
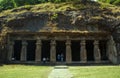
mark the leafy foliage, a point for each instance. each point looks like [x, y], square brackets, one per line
[115, 2]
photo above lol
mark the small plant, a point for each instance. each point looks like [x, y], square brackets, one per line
[54, 16]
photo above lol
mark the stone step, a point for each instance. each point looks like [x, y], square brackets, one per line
[60, 63]
[60, 71]
[61, 67]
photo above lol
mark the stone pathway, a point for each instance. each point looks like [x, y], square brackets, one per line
[60, 72]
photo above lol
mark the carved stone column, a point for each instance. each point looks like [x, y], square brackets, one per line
[38, 50]
[83, 55]
[112, 51]
[11, 50]
[97, 54]
[23, 56]
[53, 51]
[68, 52]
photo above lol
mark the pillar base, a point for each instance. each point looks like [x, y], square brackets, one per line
[83, 61]
[97, 61]
[69, 62]
[37, 61]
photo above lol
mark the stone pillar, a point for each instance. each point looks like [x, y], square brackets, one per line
[53, 51]
[38, 50]
[83, 55]
[112, 51]
[68, 52]
[11, 50]
[23, 56]
[97, 55]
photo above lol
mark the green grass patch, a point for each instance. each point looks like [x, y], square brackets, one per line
[31, 71]
[24, 71]
[95, 71]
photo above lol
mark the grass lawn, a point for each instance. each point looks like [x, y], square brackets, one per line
[95, 71]
[24, 71]
[31, 71]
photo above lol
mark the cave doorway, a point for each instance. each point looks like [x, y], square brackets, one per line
[46, 49]
[90, 50]
[75, 47]
[31, 50]
[17, 50]
[60, 50]
[102, 47]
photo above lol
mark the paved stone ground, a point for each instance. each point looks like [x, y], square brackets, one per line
[60, 72]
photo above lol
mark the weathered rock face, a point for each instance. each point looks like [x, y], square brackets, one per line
[67, 20]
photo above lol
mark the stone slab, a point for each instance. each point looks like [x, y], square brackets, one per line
[60, 72]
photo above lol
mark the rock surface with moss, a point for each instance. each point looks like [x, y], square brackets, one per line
[68, 16]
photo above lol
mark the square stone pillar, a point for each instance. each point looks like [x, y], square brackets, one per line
[38, 50]
[68, 51]
[112, 51]
[23, 56]
[83, 55]
[97, 55]
[53, 51]
[11, 50]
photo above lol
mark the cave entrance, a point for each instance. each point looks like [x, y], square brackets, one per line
[46, 49]
[90, 50]
[60, 50]
[75, 47]
[103, 46]
[31, 50]
[17, 50]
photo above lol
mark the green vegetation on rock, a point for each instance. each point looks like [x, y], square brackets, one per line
[9, 4]
[57, 7]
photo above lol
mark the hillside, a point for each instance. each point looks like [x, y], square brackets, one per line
[75, 13]
[60, 17]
